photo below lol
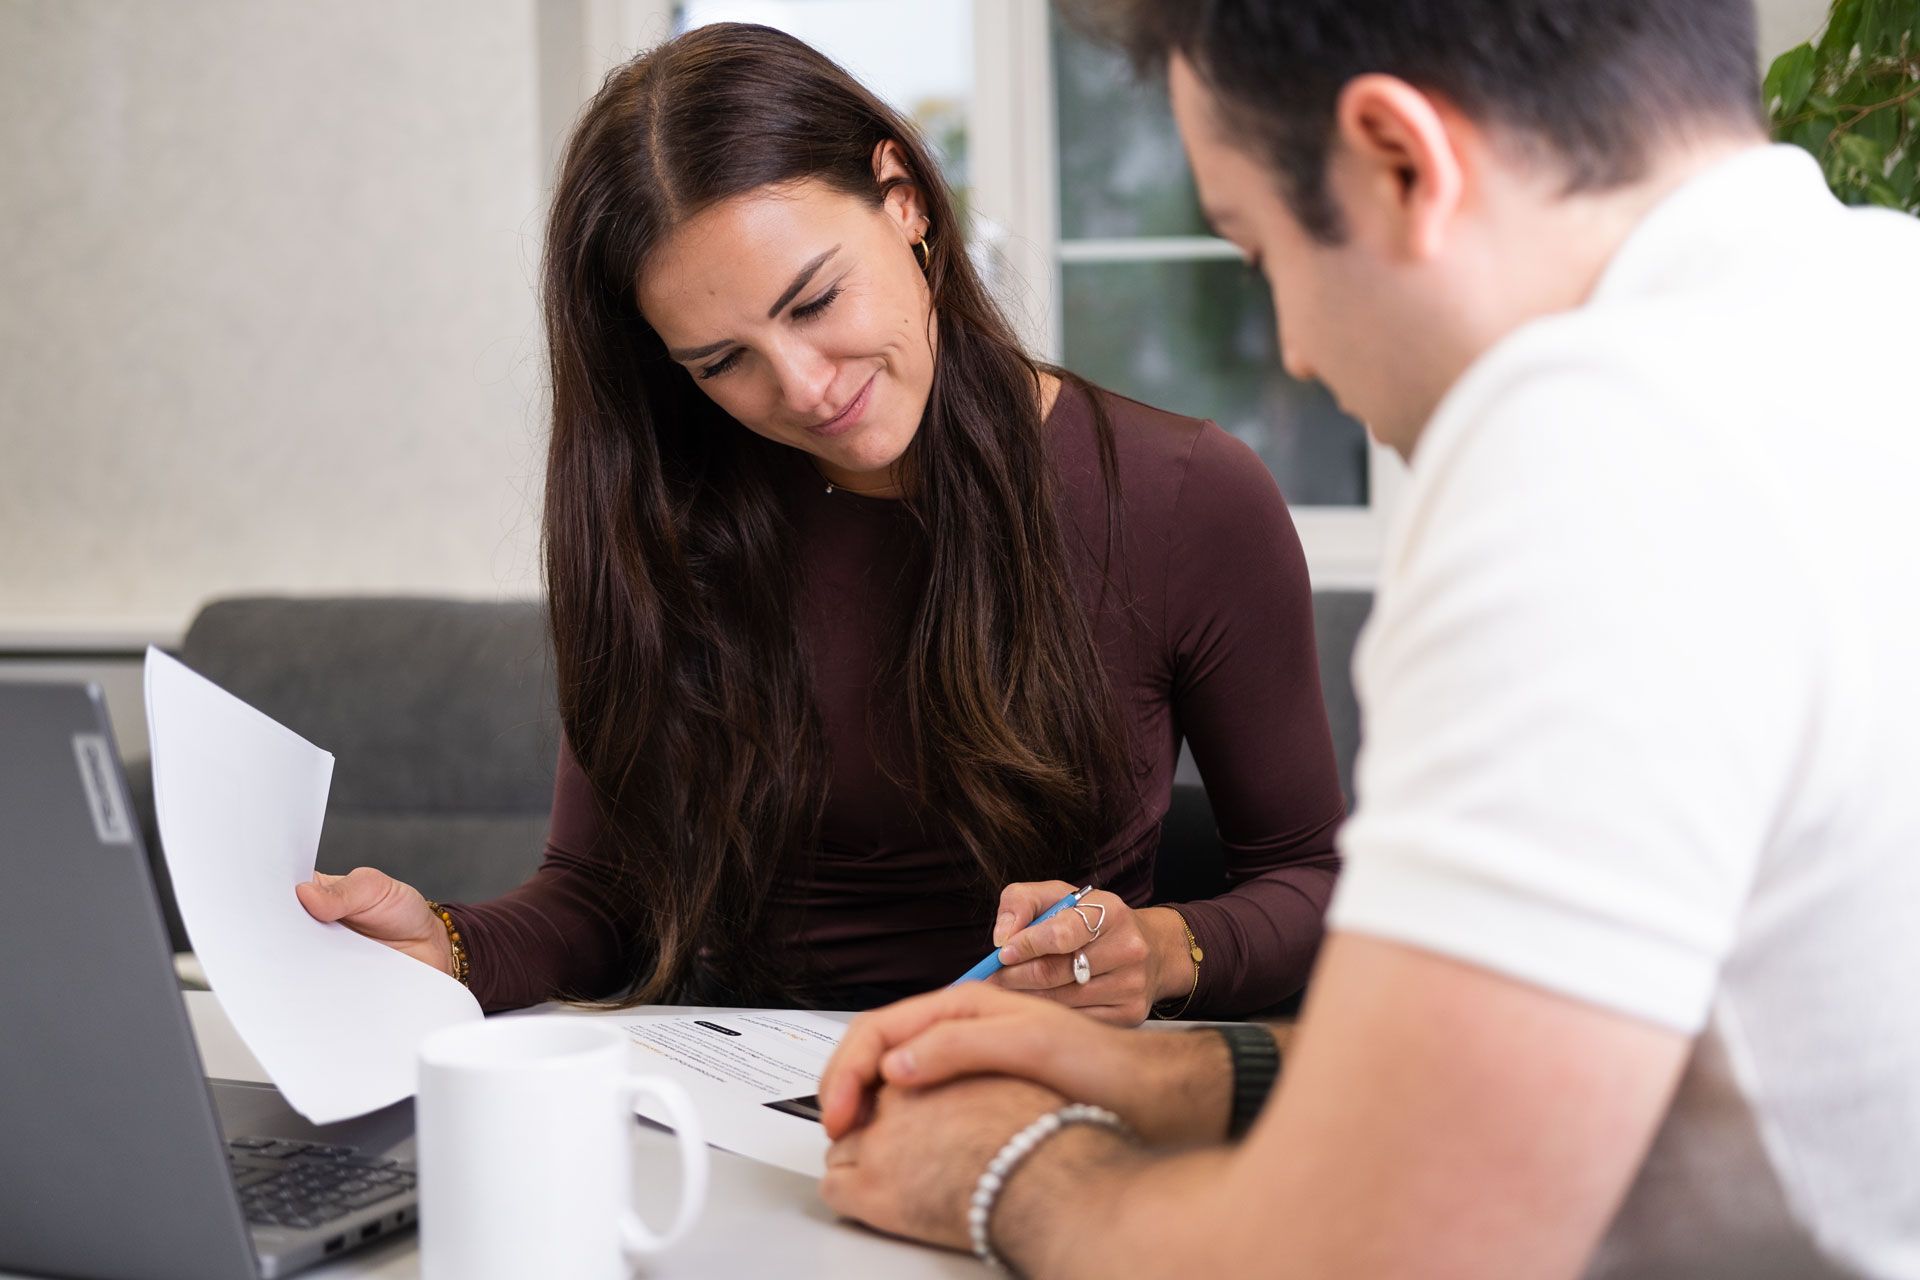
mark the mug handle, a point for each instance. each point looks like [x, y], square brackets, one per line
[638, 1237]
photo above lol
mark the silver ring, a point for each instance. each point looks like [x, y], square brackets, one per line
[1082, 971]
[1093, 927]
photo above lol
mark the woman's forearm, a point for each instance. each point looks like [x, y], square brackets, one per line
[1259, 938]
[554, 937]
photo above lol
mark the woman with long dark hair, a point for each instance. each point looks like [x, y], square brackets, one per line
[873, 637]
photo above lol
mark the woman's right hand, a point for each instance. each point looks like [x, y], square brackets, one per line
[375, 905]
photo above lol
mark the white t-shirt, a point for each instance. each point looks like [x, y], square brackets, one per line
[1641, 696]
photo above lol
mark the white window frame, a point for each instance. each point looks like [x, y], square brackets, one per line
[1014, 170]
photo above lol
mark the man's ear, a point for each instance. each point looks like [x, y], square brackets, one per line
[905, 203]
[1403, 172]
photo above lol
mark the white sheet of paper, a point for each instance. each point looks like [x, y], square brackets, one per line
[733, 1062]
[333, 1017]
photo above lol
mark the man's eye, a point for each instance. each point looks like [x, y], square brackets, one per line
[719, 367]
[818, 305]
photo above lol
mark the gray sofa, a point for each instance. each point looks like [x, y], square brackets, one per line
[439, 714]
[440, 717]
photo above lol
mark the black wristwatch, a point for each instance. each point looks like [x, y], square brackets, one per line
[1256, 1065]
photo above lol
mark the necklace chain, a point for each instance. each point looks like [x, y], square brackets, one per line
[846, 488]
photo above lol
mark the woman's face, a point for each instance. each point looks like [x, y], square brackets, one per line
[803, 313]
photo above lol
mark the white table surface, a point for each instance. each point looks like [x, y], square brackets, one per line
[759, 1221]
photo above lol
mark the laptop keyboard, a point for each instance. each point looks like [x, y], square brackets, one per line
[308, 1184]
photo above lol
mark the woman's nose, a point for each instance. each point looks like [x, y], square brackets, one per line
[806, 377]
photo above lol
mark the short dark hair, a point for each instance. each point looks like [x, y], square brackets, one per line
[1598, 82]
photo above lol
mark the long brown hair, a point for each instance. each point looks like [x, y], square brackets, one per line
[671, 573]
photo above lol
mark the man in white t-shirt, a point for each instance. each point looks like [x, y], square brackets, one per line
[1624, 970]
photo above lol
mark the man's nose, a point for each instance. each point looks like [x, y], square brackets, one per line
[1295, 362]
[1292, 357]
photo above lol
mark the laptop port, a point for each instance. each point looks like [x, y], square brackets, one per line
[369, 1231]
[336, 1244]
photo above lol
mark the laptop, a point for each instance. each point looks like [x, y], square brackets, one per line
[119, 1159]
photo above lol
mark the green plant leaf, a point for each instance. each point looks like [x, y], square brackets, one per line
[1838, 39]
[1841, 180]
[1790, 80]
[1902, 179]
[1882, 128]
[1855, 116]
[1863, 154]
[1812, 135]
[1872, 30]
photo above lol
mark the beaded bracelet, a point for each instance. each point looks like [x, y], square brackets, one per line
[455, 943]
[1021, 1145]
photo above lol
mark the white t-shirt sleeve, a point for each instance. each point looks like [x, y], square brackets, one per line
[1582, 691]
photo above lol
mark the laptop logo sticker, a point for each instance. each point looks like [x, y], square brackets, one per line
[103, 798]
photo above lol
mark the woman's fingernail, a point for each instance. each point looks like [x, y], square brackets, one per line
[899, 1064]
[1002, 927]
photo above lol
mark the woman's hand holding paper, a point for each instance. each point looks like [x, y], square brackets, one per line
[375, 905]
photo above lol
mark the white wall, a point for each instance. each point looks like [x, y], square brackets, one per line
[1786, 23]
[266, 312]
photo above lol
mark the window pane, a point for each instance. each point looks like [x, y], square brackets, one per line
[1190, 335]
[1197, 338]
[1122, 172]
[923, 68]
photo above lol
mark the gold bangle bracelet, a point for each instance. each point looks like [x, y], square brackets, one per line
[456, 944]
[1195, 954]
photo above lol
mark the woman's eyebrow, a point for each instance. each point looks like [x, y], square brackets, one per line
[800, 281]
[698, 353]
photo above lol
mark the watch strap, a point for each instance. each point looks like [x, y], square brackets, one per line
[1256, 1065]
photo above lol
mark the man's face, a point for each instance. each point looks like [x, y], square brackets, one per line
[1341, 312]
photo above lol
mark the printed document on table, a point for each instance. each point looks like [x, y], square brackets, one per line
[333, 1017]
[734, 1062]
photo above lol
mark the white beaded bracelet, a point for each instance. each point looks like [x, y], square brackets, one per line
[1018, 1148]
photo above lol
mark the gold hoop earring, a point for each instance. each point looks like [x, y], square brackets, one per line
[923, 251]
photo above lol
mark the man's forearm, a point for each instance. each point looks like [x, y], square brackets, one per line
[1093, 1204]
[1089, 1203]
[1179, 1088]
[1183, 1092]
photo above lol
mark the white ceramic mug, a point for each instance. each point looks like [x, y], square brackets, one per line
[525, 1133]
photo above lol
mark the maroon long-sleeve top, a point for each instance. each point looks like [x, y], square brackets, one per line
[1209, 638]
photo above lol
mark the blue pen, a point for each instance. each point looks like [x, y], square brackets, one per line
[991, 965]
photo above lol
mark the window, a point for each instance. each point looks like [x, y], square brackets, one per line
[1155, 307]
[922, 68]
[1082, 191]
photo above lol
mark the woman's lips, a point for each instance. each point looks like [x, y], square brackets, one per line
[849, 417]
